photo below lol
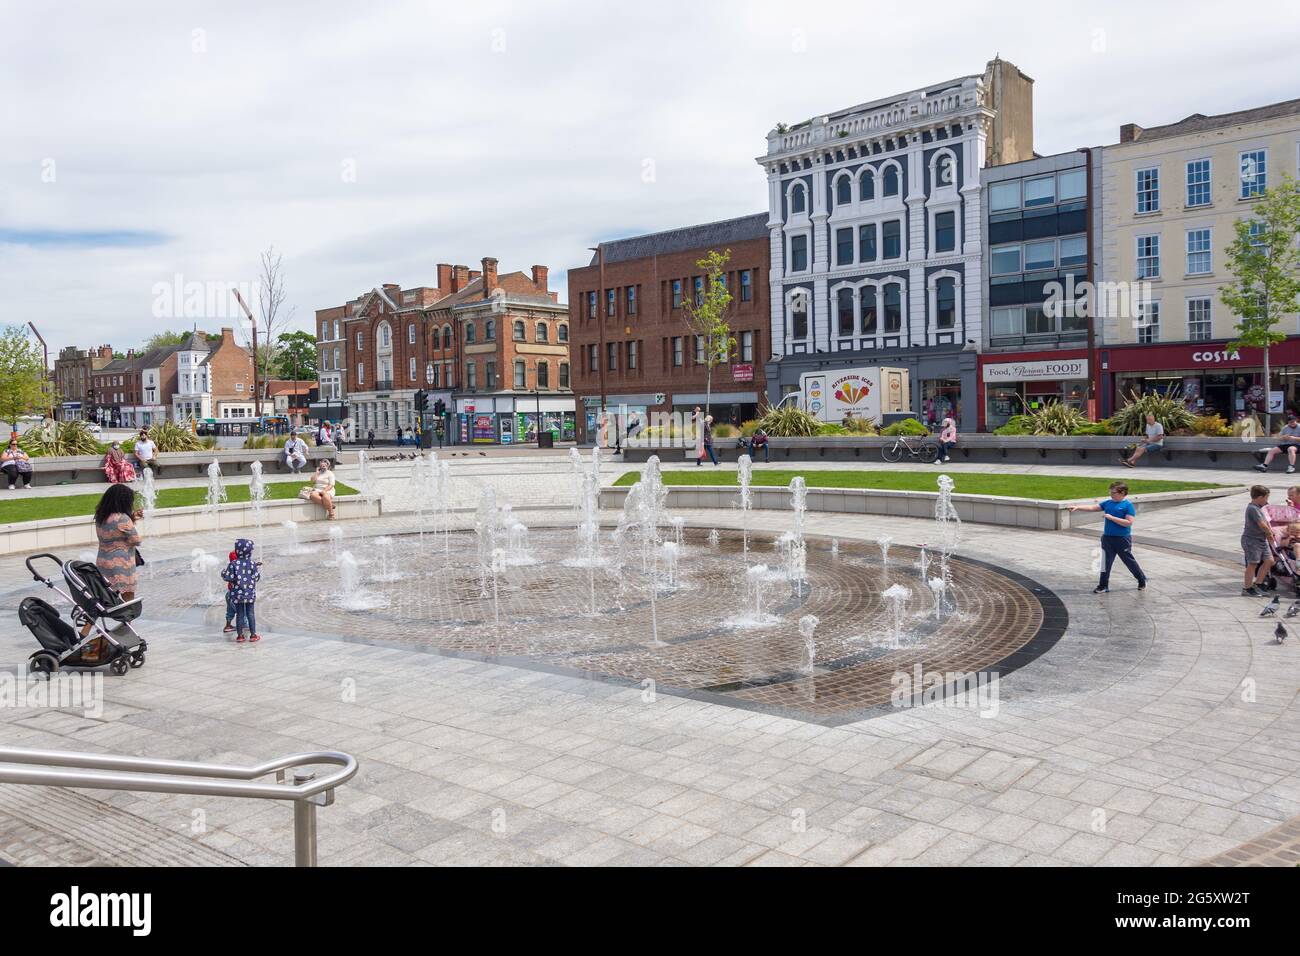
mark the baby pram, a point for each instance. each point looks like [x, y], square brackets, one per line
[1285, 570]
[93, 602]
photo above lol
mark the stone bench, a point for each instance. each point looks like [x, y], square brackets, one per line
[1178, 452]
[89, 469]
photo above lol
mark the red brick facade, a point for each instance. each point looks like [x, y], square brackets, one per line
[648, 330]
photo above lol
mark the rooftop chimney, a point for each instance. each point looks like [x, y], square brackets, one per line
[459, 278]
[444, 277]
[489, 276]
[540, 274]
[1130, 133]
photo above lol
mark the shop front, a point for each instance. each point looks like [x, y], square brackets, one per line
[1209, 377]
[1019, 384]
[512, 419]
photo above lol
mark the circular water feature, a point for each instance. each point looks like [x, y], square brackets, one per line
[530, 602]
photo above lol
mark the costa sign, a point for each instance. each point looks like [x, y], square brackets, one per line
[1213, 358]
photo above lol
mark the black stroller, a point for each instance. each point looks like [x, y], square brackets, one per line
[93, 602]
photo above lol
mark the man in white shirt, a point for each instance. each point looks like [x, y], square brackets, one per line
[295, 452]
[145, 452]
[1154, 441]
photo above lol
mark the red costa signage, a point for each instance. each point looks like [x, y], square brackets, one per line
[1190, 355]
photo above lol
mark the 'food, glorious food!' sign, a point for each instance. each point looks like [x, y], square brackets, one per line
[1063, 369]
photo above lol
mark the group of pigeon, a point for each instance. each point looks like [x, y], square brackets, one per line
[1270, 609]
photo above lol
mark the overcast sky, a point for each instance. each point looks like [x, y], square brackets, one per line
[368, 142]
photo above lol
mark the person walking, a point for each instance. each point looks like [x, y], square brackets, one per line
[706, 438]
[1255, 537]
[947, 439]
[1288, 441]
[118, 556]
[1154, 441]
[1116, 535]
[370, 438]
[243, 574]
[399, 436]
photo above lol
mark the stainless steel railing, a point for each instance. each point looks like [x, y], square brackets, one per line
[58, 768]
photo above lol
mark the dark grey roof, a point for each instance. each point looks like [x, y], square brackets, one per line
[706, 235]
[1199, 122]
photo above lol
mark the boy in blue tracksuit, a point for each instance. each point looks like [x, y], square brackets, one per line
[1117, 535]
[243, 574]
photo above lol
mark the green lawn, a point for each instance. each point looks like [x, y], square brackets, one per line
[18, 506]
[1044, 487]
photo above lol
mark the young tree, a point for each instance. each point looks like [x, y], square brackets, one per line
[706, 316]
[1264, 260]
[25, 386]
[273, 319]
[296, 355]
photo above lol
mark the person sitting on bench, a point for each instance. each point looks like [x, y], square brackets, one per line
[1288, 441]
[295, 453]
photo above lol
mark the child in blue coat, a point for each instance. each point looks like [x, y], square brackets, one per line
[243, 574]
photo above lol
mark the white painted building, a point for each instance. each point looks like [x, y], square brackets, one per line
[875, 221]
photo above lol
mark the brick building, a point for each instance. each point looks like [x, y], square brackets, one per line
[74, 371]
[114, 387]
[331, 403]
[641, 346]
[493, 347]
[230, 377]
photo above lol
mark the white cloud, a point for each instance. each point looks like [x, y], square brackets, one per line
[506, 129]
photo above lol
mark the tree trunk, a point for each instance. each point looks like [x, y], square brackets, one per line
[1268, 393]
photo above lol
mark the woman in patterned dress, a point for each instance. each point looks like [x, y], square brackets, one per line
[115, 518]
[116, 467]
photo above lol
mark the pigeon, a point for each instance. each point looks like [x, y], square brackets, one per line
[1280, 632]
[1294, 609]
[1271, 609]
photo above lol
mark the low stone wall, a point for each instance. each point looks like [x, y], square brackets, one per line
[976, 509]
[89, 469]
[57, 534]
[1188, 452]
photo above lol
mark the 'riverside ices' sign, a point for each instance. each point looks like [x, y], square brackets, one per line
[1062, 369]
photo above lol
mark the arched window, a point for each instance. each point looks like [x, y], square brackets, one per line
[844, 311]
[519, 331]
[562, 332]
[843, 191]
[891, 181]
[428, 374]
[541, 332]
[490, 331]
[446, 336]
[521, 377]
[867, 309]
[543, 375]
[799, 317]
[945, 303]
[867, 185]
[798, 201]
[469, 333]
[385, 335]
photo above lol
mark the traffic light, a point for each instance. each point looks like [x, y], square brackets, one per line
[440, 408]
[421, 400]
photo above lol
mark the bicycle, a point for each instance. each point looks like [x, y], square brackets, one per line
[918, 448]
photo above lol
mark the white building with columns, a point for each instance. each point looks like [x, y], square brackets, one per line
[875, 223]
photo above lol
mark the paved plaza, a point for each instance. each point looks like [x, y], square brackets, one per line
[1149, 728]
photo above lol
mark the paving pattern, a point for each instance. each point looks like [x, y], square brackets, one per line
[1159, 729]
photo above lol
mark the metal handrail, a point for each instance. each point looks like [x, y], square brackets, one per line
[145, 774]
